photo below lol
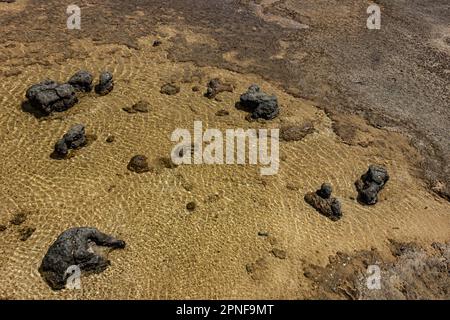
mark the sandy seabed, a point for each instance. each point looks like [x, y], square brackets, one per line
[172, 252]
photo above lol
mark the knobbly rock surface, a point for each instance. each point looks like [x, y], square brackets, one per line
[322, 201]
[74, 138]
[50, 96]
[260, 104]
[216, 86]
[138, 164]
[82, 81]
[371, 183]
[170, 89]
[76, 247]
[105, 84]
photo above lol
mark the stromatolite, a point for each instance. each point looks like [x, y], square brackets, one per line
[322, 201]
[50, 96]
[74, 138]
[76, 247]
[371, 183]
[260, 104]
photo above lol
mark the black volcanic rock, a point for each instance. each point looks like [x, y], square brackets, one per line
[76, 247]
[82, 81]
[260, 104]
[322, 201]
[325, 191]
[74, 138]
[50, 96]
[105, 84]
[371, 183]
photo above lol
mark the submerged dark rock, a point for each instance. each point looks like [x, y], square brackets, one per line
[76, 247]
[222, 113]
[25, 233]
[138, 164]
[82, 81]
[260, 104]
[74, 138]
[371, 183]
[170, 89]
[279, 253]
[19, 218]
[191, 206]
[322, 201]
[49, 96]
[216, 86]
[105, 84]
[141, 106]
[296, 132]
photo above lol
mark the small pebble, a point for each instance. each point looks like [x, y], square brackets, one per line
[138, 164]
[25, 233]
[222, 113]
[280, 254]
[19, 218]
[191, 206]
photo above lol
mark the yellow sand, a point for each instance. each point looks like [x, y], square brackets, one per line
[172, 253]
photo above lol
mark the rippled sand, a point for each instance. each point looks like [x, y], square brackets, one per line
[173, 253]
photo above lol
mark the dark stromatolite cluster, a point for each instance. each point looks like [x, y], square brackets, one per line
[76, 247]
[105, 84]
[371, 183]
[322, 201]
[216, 86]
[74, 138]
[260, 104]
[82, 81]
[49, 96]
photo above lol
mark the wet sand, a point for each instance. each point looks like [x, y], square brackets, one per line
[172, 252]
